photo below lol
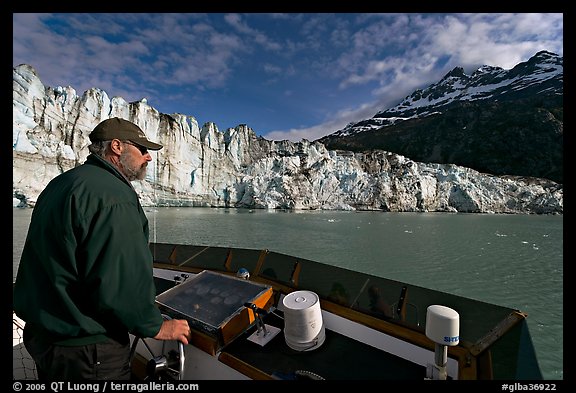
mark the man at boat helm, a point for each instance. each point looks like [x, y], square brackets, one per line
[85, 276]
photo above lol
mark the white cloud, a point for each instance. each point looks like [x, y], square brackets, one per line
[197, 62]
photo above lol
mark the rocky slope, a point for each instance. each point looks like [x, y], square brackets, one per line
[503, 122]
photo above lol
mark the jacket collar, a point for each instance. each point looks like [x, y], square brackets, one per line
[96, 160]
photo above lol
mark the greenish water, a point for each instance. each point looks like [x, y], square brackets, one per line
[511, 260]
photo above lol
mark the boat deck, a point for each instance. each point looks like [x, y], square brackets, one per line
[336, 359]
[363, 341]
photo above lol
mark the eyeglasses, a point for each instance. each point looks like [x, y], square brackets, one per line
[142, 149]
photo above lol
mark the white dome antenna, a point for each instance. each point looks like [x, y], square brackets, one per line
[442, 327]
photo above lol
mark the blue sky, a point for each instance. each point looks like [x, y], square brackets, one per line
[287, 76]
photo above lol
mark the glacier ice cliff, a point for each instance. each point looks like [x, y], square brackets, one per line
[236, 168]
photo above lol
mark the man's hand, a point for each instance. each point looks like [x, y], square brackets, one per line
[175, 329]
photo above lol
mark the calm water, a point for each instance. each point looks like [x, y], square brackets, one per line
[511, 260]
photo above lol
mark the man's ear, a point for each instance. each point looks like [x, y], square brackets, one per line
[116, 146]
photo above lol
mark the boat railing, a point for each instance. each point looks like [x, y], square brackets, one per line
[23, 367]
[487, 331]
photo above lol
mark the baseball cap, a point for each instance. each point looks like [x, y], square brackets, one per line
[117, 128]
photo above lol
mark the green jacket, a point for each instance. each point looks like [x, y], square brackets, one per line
[86, 270]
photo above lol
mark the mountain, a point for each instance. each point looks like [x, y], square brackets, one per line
[203, 166]
[496, 121]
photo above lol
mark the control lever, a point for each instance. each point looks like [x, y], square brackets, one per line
[256, 309]
[264, 333]
[259, 313]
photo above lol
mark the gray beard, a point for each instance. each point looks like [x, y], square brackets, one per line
[130, 169]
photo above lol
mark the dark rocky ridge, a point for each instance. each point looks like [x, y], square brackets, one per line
[514, 127]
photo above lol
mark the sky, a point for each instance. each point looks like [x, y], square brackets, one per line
[287, 76]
